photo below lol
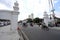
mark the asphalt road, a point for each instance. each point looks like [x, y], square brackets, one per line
[35, 33]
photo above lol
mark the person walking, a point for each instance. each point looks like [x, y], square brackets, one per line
[44, 26]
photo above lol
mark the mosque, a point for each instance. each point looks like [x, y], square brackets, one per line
[9, 23]
[8, 17]
[51, 19]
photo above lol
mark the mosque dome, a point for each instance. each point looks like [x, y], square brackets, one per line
[16, 3]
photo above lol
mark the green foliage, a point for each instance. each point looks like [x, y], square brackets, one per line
[58, 21]
[29, 20]
[20, 22]
[37, 20]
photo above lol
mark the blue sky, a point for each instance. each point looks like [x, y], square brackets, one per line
[57, 6]
[37, 7]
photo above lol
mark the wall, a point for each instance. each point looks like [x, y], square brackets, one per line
[5, 15]
[10, 15]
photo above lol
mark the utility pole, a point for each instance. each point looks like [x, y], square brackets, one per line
[51, 7]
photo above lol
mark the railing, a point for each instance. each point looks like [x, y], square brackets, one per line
[24, 36]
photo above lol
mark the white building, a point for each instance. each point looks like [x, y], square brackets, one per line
[31, 16]
[47, 19]
[13, 17]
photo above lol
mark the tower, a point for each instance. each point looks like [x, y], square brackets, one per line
[52, 8]
[32, 16]
[15, 7]
[29, 16]
[46, 18]
[14, 17]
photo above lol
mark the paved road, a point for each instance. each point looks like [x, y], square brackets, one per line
[35, 33]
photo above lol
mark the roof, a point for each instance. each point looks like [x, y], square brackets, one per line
[57, 18]
[8, 11]
[4, 20]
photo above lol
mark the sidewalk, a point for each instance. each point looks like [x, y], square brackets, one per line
[7, 34]
[58, 28]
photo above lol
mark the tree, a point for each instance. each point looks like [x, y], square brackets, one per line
[36, 20]
[29, 20]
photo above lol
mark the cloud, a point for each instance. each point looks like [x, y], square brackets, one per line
[56, 1]
[57, 14]
[32, 6]
[3, 7]
[8, 3]
[37, 7]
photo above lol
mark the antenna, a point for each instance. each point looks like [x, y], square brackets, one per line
[52, 7]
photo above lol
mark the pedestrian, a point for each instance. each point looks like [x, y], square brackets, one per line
[45, 27]
[24, 24]
[39, 24]
[31, 24]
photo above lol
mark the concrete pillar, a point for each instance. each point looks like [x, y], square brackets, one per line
[14, 20]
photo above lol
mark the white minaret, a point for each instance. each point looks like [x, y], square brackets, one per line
[29, 16]
[14, 18]
[46, 18]
[32, 16]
